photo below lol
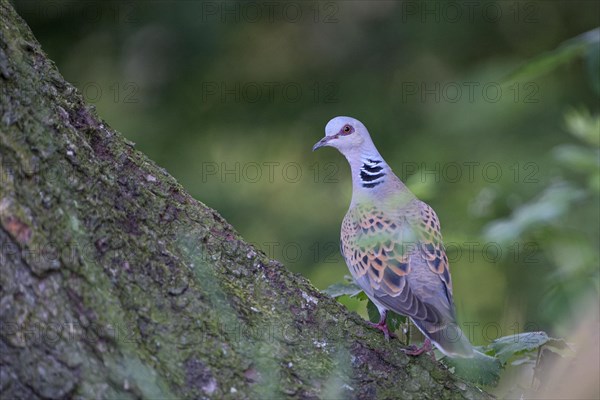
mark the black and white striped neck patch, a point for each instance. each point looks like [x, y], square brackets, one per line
[371, 173]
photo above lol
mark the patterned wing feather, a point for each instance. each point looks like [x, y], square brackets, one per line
[372, 246]
[399, 260]
[430, 238]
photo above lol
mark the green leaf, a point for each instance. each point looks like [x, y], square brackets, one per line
[506, 347]
[373, 312]
[362, 296]
[394, 321]
[480, 369]
[484, 369]
[592, 61]
[554, 202]
[343, 289]
[585, 126]
[567, 51]
[578, 158]
[557, 344]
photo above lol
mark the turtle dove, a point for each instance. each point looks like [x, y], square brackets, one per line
[392, 244]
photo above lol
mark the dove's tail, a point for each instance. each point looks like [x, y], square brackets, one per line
[448, 338]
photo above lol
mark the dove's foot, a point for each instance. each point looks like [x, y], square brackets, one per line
[413, 350]
[382, 326]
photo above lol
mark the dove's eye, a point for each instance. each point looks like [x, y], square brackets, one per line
[347, 129]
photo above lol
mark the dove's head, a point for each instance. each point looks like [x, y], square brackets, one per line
[346, 134]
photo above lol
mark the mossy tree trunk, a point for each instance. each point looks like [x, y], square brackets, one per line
[116, 283]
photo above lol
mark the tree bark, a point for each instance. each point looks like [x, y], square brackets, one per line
[116, 283]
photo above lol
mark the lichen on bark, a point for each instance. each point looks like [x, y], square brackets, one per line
[116, 283]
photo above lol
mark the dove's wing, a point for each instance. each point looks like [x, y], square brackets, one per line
[400, 262]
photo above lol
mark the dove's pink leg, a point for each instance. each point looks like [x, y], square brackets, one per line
[382, 326]
[415, 351]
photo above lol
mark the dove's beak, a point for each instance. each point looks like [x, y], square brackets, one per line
[322, 142]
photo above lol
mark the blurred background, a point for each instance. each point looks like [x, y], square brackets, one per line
[487, 110]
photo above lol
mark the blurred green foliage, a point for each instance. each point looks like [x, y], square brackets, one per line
[230, 99]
